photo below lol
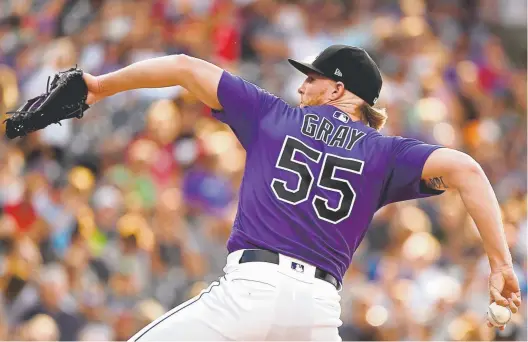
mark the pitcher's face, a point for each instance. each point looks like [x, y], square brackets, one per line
[315, 90]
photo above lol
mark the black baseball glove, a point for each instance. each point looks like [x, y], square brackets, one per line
[65, 98]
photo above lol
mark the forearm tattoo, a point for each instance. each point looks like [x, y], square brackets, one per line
[436, 183]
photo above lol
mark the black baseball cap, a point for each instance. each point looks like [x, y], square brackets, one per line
[350, 65]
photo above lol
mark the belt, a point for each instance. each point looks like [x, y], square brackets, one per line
[262, 255]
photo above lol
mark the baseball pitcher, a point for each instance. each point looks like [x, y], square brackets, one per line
[314, 177]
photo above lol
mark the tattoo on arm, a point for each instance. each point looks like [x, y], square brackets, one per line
[436, 183]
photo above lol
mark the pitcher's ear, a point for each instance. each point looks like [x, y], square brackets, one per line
[338, 91]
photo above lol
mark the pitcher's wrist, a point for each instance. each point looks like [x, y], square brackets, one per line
[103, 85]
[498, 263]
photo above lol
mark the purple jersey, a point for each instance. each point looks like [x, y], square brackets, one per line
[313, 178]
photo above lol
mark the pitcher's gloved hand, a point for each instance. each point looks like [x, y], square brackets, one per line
[65, 98]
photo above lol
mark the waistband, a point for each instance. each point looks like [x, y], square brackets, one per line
[293, 266]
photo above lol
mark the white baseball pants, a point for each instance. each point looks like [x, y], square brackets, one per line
[254, 301]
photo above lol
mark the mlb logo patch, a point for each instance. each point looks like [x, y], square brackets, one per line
[341, 116]
[297, 267]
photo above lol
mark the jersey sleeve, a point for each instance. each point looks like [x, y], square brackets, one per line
[243, 106]
[405, 177]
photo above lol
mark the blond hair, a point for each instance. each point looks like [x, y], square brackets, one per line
[374, 117]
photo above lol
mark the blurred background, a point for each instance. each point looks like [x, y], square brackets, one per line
[109, 221]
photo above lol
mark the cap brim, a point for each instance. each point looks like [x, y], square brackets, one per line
[305, 68]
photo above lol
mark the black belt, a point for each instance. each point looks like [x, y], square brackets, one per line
[261, 255]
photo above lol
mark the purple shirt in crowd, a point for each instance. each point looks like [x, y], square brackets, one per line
[313, 178]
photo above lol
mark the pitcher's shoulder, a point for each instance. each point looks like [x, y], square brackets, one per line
[378, 142]
[379, 138]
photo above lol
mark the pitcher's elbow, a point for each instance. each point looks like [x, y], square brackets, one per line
[182, 66]
[471, 166]
[466, 168]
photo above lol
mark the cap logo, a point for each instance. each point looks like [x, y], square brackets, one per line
[338, 73]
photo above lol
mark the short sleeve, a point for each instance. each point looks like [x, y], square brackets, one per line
[405, 177]
[243, 106]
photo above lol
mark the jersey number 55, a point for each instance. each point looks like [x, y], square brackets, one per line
[327, 180]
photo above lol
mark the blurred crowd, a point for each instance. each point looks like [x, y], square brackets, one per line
[108, 221]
